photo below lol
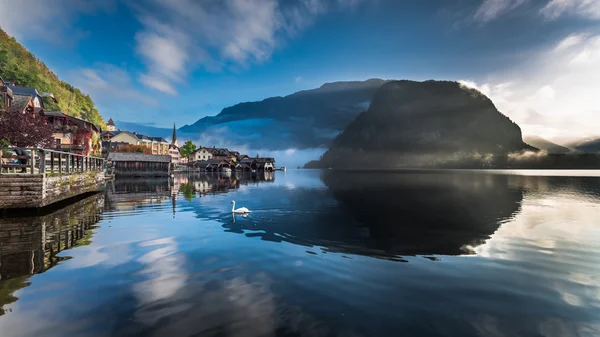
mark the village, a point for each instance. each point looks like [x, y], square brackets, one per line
[127, 153]
[47, 155]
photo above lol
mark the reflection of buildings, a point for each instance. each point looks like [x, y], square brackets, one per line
[128, 194]
[219, 182]
[28, 245]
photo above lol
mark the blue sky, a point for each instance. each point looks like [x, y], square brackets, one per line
[160, 61]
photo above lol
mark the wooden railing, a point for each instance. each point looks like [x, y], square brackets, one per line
[48, 161]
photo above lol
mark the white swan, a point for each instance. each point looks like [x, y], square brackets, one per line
[242, 210]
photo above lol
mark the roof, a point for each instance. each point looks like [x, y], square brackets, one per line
[24, 91]
[139, 157]
[78, 121]
[265, 160]
[174, 135]
[49, 95]
[159, 139]
[247, 161]
[110, 122]
[20, 102]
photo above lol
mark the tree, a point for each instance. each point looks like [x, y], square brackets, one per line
[187, 149]
[25, 129]
[133, 148]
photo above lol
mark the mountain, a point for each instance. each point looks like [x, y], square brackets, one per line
[546, 145]
[418, 123]
[20, 66]
[588, 145]
[144, 129]
[305, 119]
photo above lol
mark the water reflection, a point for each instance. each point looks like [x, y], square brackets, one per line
[169, 259]
[29, 244]
[390, 215]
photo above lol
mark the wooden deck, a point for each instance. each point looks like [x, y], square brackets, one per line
[48, 177]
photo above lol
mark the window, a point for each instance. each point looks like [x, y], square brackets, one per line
[58, 142]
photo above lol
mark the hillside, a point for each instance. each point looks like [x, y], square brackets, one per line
[19, 65]
[417, 123]
[546, 145]
[305, 119]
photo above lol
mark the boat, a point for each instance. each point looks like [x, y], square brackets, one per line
[225, 169]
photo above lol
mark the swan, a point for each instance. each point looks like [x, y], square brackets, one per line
[242, 210]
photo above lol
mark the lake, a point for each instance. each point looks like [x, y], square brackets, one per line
[411, 253]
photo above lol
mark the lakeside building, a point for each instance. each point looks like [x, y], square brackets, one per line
[202, 154]
[158, 145]
[72, 134]
[139, 164]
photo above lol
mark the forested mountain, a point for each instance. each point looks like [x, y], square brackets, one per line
[305, 119]
[409, 121]
[20, 66]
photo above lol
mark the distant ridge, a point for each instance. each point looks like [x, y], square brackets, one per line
[305, 119]
[546, 145]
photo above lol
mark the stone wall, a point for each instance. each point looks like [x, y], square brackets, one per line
[21, 190]
[39, 190]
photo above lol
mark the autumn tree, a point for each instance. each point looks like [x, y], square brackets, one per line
[25, 129]
[133, 148]
[187, 149]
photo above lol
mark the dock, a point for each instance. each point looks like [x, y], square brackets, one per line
[48, 177]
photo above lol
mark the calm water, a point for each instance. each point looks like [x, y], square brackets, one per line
[323, 254]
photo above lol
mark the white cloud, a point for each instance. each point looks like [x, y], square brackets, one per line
[48, 20]
[570, 41]
[179, 36]
[112, 88]
[556, 95]
[585, 8]
[491, 9]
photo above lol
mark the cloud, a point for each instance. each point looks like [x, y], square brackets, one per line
[298, 79]
[570, 41]
[180, 36]
[585, 8]
[112, 88]
[47, 20]
[555, 95]
[491, 9]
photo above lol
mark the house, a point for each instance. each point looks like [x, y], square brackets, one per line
[6, 97]
[73, 134]
[158, 145]
[201, 154]
[23, 103]
[212, 165]
[139, 164]
[223, 154]
[110, 125]
[36, 97]
[265, 164]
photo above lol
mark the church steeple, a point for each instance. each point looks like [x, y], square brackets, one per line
[174, 140]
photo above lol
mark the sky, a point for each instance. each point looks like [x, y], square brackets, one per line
[157, 62]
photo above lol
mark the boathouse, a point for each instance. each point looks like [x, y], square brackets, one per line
[139, 164]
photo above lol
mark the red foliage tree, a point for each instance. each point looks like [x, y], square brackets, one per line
[133, 148]
[25, 129]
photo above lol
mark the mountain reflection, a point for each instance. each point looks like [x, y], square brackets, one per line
[388, 215]
[30, 241]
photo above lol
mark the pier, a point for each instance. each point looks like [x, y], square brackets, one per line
[43, 177]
